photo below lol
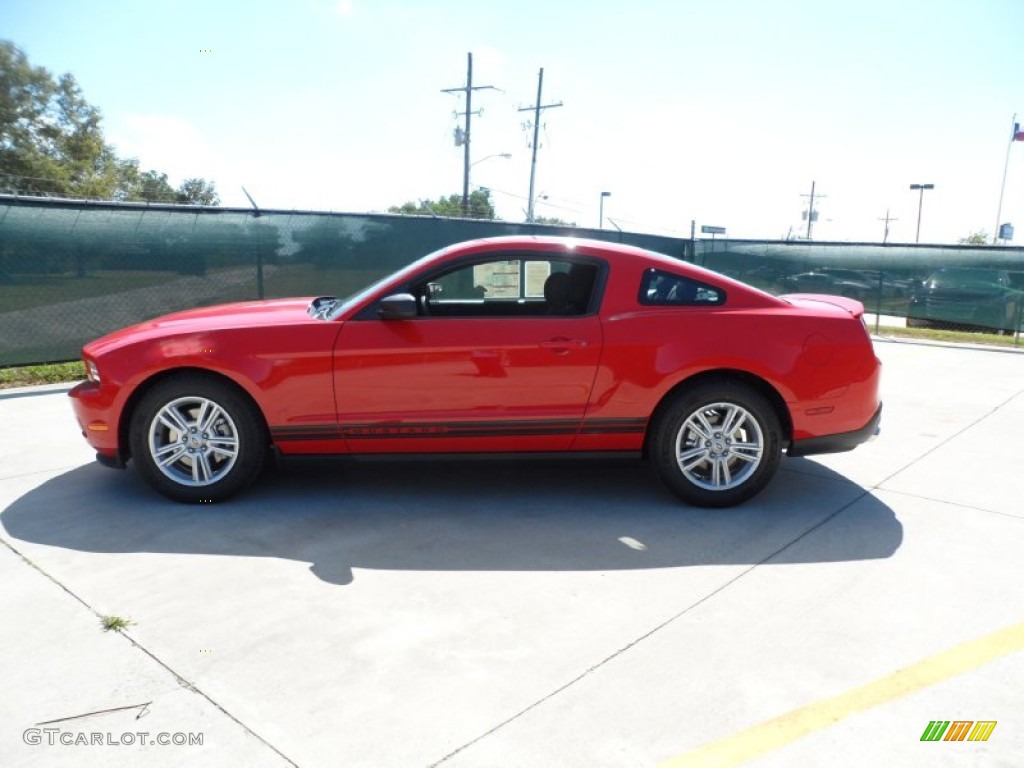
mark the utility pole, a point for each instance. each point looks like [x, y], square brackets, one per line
[536, 129]
[467, 89]
[1014, 134]
[811, 214]
[887, 219]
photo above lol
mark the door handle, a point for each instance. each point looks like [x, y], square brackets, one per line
[563, 344]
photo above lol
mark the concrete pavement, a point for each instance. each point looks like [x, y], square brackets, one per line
[528, 613]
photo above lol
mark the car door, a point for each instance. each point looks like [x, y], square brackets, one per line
[487, 364]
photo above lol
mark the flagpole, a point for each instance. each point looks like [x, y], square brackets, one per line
[1002, 189]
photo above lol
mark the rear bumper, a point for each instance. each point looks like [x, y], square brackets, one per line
[114, 462]
[845, 441]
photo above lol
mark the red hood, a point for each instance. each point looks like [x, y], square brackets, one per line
[245, 314]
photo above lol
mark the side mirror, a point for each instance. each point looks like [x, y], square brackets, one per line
[398, 306]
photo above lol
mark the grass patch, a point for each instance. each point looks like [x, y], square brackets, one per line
[115, 623]
[51, 373]
[955, 337]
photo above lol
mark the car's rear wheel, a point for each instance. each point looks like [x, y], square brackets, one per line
[196, 439]
[717, 444]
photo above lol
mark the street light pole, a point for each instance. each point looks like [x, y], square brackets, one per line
[920, 205]
[506, 155]
[600, 220]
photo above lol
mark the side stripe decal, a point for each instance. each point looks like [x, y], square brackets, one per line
[378, 430]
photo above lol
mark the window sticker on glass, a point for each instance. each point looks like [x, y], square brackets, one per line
[499, 278]
[536, 273]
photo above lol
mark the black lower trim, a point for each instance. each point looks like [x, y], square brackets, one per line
[461, 429]
[845, 441]
[416, 458]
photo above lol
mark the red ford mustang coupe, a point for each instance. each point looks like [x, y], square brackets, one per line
[502, 345]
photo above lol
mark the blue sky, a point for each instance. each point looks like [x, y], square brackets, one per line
[722, 111]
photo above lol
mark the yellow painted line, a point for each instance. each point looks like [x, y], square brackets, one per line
[773, 734]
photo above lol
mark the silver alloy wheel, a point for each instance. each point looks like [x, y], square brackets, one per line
[193, 441]
[719, 446]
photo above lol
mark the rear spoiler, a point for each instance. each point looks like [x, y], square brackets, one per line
[852, 306]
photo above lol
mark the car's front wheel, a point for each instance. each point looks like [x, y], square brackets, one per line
[196, 439]
[717, 444]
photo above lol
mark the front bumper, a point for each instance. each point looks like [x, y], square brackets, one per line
[97, 417]
[845, 441]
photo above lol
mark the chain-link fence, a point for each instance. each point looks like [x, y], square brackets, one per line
[71, 271]
[976, 289]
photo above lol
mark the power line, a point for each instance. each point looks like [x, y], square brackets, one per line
[467, 89]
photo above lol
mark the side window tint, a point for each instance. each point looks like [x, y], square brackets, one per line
[665, 289]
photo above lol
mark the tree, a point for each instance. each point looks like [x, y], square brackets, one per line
[52, 143]
[553, 221]
[480, 206]
[981, 237]
[148, 186]
[198, 191]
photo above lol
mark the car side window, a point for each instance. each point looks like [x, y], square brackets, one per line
[511, 287]
[659, 288]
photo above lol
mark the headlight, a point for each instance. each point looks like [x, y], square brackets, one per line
[92, 371]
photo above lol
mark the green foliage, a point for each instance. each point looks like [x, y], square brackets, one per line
[966, 337]
[553, 221]
[198, 192]
[981, 237]
[480, 206]
[31, 375]
[52, 143]
[116, 623]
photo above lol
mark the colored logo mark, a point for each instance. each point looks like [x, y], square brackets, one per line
[959, 730]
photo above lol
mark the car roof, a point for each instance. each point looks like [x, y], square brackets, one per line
[595, 247]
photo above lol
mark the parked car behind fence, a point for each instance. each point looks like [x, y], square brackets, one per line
[976, 298]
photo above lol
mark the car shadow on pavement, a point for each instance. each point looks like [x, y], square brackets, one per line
[497, 515]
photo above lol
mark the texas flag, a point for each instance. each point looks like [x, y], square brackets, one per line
[1018, 134]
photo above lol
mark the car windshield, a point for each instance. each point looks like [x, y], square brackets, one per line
[360, 295]
[965, 278]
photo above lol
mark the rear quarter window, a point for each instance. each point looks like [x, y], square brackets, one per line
[665, 289]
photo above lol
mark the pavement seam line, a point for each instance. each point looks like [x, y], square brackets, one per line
[586, 673]
[181, 680]
[777, 733]
[937, 446]
[730, 582]
[956, 504]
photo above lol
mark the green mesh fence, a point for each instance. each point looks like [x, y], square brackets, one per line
[972, 288]
[71, 271]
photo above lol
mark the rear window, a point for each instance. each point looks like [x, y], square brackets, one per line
[659, 288]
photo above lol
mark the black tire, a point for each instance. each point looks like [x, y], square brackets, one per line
[681, 431]
[200, 466]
